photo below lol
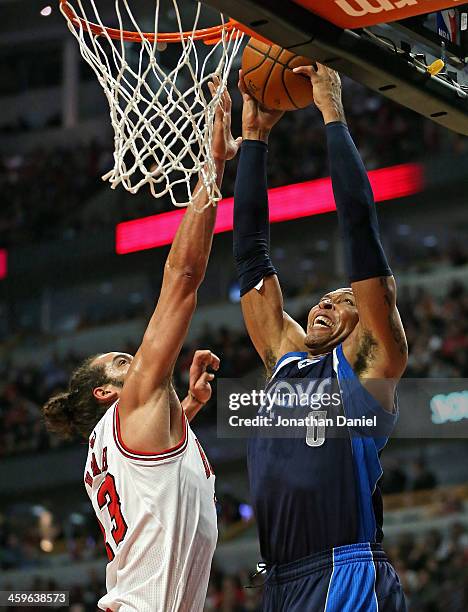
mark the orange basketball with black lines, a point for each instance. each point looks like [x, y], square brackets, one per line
[269, 77]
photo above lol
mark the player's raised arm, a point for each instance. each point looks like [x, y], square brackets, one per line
[152, 366]
[377, 347]
[272, 331]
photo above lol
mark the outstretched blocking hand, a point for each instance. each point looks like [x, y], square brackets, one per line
[327, 91]
[224, 146]
[257, 120]
[200, 379]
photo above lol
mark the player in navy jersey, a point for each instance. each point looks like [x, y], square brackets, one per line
[316, 497]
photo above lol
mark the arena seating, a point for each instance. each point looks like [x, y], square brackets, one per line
[45, 190]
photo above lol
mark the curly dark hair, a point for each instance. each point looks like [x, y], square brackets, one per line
[76, 412]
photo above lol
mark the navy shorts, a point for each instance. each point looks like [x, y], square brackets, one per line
[354, 578]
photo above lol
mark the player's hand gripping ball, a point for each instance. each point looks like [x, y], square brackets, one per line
[269, 77]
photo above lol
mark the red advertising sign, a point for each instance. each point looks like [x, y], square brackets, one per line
[285, 203]
[3, 263]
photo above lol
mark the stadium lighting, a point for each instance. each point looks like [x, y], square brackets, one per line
[47, 545]
[286, 203]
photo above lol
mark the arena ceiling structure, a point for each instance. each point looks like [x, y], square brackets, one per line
[387, 45]
[392, 47]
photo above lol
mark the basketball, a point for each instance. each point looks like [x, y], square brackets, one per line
[269, 77]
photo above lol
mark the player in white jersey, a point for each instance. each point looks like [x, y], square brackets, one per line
[156, 510]
[149, 481]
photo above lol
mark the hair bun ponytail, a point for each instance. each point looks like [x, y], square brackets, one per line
[58, 415]
[77, 412]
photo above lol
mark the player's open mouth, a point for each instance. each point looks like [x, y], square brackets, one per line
[322, 321]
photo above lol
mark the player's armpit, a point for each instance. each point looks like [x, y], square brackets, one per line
[272, 331]
[377, 348]
[153, 427]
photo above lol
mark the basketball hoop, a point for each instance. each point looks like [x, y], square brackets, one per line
[162, 116]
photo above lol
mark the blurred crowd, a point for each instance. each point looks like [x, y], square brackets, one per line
[45, 190]
[437, 332]
[432, 567]
[399, 477]
[36, 536]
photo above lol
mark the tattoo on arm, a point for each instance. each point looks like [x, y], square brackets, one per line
[398, 334]
[366, 352]
[270, 362]
[368, 344]
[393, 323]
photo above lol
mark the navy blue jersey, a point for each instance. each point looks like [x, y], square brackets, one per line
[311, 495]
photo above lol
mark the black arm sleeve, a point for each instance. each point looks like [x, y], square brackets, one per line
[357, 217]
[251, 235]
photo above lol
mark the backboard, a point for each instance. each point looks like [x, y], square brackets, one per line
[385, 45]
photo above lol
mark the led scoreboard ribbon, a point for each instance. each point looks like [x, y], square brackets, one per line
[286, 203]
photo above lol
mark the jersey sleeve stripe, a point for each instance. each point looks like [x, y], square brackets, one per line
[168, 453]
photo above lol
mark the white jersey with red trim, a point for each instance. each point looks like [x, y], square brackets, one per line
[158, 517]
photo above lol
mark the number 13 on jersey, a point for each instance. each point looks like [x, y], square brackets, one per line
[107, 496]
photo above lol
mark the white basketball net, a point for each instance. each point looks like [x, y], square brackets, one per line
[162, 118]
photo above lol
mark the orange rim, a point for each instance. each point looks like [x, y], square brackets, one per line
[208, 35]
